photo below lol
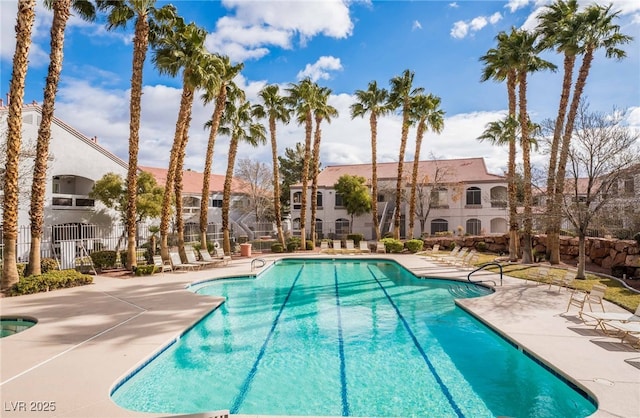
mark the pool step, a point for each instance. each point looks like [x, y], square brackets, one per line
[465, 290]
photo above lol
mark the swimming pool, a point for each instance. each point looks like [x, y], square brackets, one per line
[344, 338]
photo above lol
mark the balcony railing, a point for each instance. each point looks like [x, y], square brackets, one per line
[66, 201]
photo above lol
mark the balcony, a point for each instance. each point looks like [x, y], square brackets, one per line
[71, 201]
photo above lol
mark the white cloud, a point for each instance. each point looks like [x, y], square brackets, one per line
[459, 30]
[454, 5]
[462, 28]
[478, 23]
[514, 5]
[495, 18]
[416, 25]
[320, 69]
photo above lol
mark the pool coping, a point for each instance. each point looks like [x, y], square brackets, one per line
[88, 338]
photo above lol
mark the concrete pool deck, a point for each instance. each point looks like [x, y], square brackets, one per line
[88, 338]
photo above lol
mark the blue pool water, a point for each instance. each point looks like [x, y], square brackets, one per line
[345, 338]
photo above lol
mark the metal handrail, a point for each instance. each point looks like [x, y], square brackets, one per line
[258, 259]
[482, 268]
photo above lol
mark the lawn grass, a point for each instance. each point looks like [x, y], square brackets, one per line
[616, 293]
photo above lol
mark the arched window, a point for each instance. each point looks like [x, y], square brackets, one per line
[498, 197]
[499, 226]
[439, 225]
[474, 196]
[319, 199]
[439, 198]
[474, 226]
[297, 200]
[342, 227]
[319, 228]
[296, 224]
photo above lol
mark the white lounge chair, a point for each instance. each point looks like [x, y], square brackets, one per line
[221, 257]
[431, 253]
[452, 253]
[162, 265]
[627, 329]
[540, 275]
[364, 247]
[337, 246]
[191, 259]
[205, 256]
[324, 247]
[603, 318]
[349, 247]
[563, 281]
[380, 248]
[177, 263]
[455, 259]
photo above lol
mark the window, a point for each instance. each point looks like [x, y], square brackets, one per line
[498, 197]
[380, 198]
[474, 196]
[474, 226]
[85, 202]
[342, 227]
[296, 224]
[339, 200]
[319, 233]
[319, 199]
[439, 225]
[439, 198]
[216, 203]
[62, 201]
[297, 200]
[629, 186]
[191, 202]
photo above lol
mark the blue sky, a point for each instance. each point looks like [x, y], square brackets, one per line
[343, 45]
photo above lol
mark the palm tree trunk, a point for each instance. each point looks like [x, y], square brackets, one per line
[305, 180]
[204, 202]
[140, 45]
[527, 256]
[38, 186]
[553, 221]
[276, 180]
[581, 256]
[183, 116]
[566, 138]
[25, 19]
[373, 124]
[400, 180]
[315, 158]
[511, 185]
[414, 177]
[178, 192]
[226, 195]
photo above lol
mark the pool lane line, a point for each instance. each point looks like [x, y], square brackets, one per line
[244, 389]
[435, 374]
[343, 371]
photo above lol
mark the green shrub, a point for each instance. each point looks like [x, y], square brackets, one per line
[293, 243]
[392, 245]
[481, 246]
[452, 245]
[103, 259]
[145, 270]
[21, 268]
[52, 280]
[48, 264]
[276, 247]
[310, 245]
[356, 238]
[414, 245]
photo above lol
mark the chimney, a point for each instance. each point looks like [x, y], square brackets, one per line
[95, 139]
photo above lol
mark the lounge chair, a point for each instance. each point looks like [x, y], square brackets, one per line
[603, 318]
[465, 260]
[432, 253]
[579, 298]
[162, 265]
[380, 248]
[455, 259]
[452, 253]
[221, 257]
[349, 247]
[324, 247]
[337, 246]
[178, 264]
[364, 247]
[563, 281]
[539, 275]
[627, 329]
[191, 259]
[205, 256]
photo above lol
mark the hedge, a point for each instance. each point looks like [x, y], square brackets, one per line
[59, 279]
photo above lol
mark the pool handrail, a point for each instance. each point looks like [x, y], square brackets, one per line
[481, 268]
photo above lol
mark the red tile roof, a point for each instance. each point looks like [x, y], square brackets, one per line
[468, 170]
[192, 181]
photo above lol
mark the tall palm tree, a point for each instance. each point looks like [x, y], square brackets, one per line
[121, 13]
[239, 125]
[180, 49]
[61, 13]
[500, 65]
[400, 96]
[426, 113]
[25, 18]
[274, 108]
[374, 102]
[220, 80]
[528, 62]
[300, 98]
[573, 33]
[322, 111]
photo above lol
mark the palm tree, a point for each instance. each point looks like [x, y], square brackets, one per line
[61, 13]
[374, 102]
[500, 65]
[300, 98]
[562, 27]
[275, 109]
[426, 112]
[238, 124]
[25, 19]
[528, 61]
[401, 94]
[220, 80]
[321, 111]
[181, 48]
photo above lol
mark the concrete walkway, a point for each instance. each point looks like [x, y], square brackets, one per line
[88, 338]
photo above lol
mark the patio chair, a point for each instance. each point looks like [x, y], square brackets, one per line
[349, 247]
[602, 318]
[380, 248]
[562, 281]
[453, 260]
[465, 260]
[162, 265]
[337, 246]
[191, 258]
[221, 257]
[364, 247]
[579, 298]
[433, 252]
[324, 247]
[627, 329]
[205, 256]
[177, 263]
[452, 253]
[540, 275]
